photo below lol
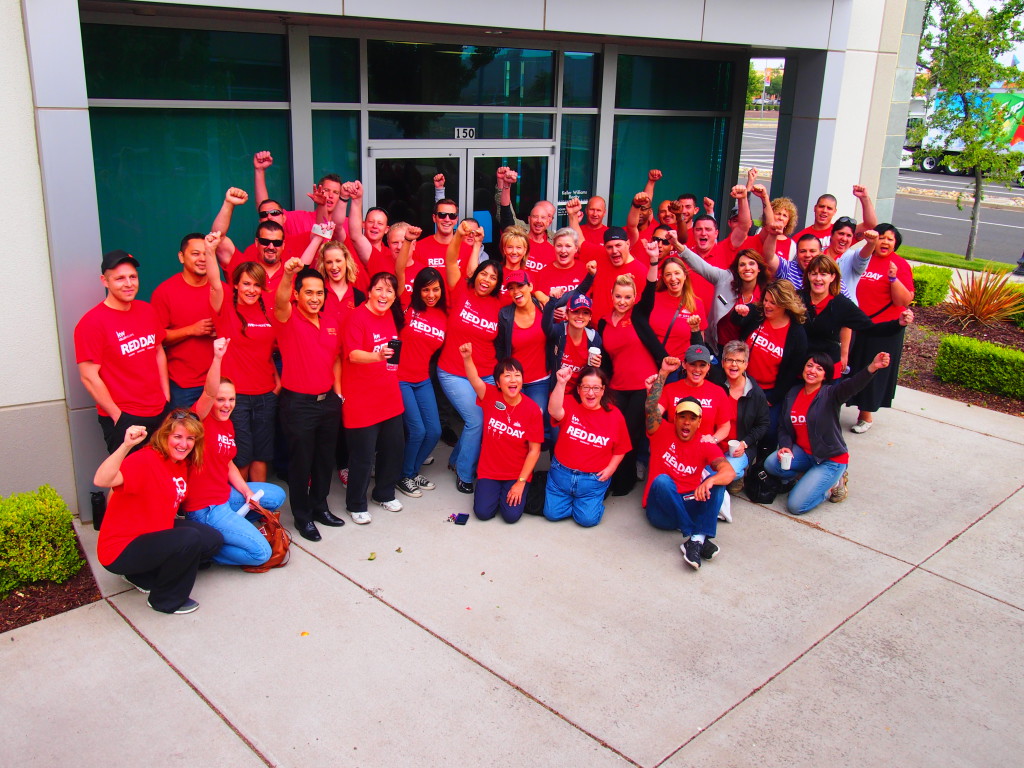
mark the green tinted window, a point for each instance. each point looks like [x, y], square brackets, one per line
[454, 125]
[652, 82]
[334, 69]
[124, 62]
[162, 173]
[580, 81]
[336, 144]
[642, 143]
[576, 163]
[465, 75]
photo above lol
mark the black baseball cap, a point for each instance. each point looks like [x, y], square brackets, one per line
[112, 258]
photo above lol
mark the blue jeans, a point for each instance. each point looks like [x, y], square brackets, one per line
[243, 543]
[462, 397]
[571, 493]
[538, 391]
[668, 510]
[811, 489]
[184, 397]
[422, 424]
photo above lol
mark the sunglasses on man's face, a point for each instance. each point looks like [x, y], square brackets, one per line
[662, 240]
[446, 215]
[268, 214]
[267, 241]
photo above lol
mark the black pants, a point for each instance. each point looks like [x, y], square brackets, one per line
[310, 426]
[631, 403]
[166, 562]
[113, 432]
[386, 439]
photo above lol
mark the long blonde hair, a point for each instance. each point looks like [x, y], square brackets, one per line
[688, 297]
[784, 294]
[351, 269]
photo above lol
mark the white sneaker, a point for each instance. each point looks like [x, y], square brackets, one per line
[861, 427]
[641, 471]
[361, 518]
[391, 506]
[725, 511]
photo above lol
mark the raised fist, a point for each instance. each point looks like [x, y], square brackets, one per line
[262, 160]
[236, 196]
[654, 174]
[439, 181]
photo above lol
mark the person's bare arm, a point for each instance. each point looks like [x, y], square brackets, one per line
[743, 220]
[751, 178]
[515, 493]
[867, 206]
[556, 401]
[767, 213]
[355, 223]
[260, 162]
[225, 248]
[573, 208]
[161, 369]
[653, 177]
[899, 293]
[724, 474]
[478, 384]
[89, 373]
[640, 199]
[412, 234]
[206, 400]
[108, 474]
[438, 187]
[212, 241]
[451, 257]
[283, 295]
[652, 408]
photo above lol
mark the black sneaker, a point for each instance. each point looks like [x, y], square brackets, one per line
[691, 553]
[462, 487]
[708, 550]
[409, 487]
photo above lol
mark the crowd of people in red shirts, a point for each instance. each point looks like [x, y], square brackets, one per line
[669, 351]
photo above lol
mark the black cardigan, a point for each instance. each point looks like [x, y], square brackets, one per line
[823, 429]
[642, 320]
[823, 329]
[794, 351]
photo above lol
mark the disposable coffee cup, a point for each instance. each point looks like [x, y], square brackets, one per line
[734, 446]
[786, 460]
[593, 352]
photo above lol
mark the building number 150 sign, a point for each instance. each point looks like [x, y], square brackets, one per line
[465, 133]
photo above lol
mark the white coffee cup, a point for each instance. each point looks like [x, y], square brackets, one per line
[786, 460]
[592, 353]
[734, 448]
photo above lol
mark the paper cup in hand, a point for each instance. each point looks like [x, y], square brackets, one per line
[592, 353]
[786, 460]
[734, 448]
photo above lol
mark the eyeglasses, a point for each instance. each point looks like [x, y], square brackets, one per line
[588, 388]
[268, 241]
[180, 414]
[447, 215]
[662, 240]
[268, 214]
[734, 361]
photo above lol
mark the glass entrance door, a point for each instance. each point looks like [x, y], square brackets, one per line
[401, 181]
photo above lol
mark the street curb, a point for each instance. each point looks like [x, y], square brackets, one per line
[929, 198]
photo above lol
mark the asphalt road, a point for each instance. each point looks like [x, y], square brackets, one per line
[937, 224]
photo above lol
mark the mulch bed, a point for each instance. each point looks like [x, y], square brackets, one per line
[922, 345]
[45, 598]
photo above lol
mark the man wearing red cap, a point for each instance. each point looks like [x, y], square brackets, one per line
[121, 361]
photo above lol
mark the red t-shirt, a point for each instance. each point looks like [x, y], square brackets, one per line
[589, 439]
[529, 347]
[307, 353]
[873, 291]
[145, 502]
[715, 403]
[381, 260]
[552, 277]
[431, 253]
[682, 460]
[766, 346]
[248, 361]
[508, 430]
[575, 356]
[756, 243]
[273, 280]
[339, 309]
[178, 304]
[124, 345]
[825, 235]
[471, 318]
[594, 235]
[665, 308]
[604, 280]
[422, 336]
[371, 390]
[540, 256]
[209, 486]
[631, 362]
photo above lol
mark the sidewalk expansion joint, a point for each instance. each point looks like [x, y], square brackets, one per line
[514, 686]
[958, 424]
[195, 690]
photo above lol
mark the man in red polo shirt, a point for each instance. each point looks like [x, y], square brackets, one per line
[310, 399]
[120, 354]
[182, 305]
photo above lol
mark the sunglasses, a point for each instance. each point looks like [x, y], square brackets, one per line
[268, 241]
[446, 215]
[662, 240]
[845, 221]
[180, 414]
[268, 214]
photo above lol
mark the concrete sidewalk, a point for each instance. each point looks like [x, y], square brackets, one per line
[882, 631]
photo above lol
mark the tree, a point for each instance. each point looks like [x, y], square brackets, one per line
[755, 82]
[775, 86]
[958, 53]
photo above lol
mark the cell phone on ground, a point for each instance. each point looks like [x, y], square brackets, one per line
[461, 519]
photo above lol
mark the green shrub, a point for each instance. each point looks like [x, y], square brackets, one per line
[1019, 317]
[931, 285]
[981, 365]
[37, 540]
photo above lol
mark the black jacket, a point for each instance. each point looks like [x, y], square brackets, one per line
[794, 351]
[823, 428]
[503, 341]
[751, 417]
[823, 329]
[555, 332]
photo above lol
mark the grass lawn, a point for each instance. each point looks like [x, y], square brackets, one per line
[944, 259]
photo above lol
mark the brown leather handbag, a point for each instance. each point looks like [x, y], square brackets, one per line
[280, 540]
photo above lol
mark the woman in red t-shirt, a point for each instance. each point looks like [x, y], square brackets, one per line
[774, 332]
[885, 289]
[140, 539]
[667, 304]
[521, 335]
[472, 317]
[513, 432]
[422, 336]
[592, 443]
[217, 489]
[631, 350]
[372, 404]
[249, 364]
